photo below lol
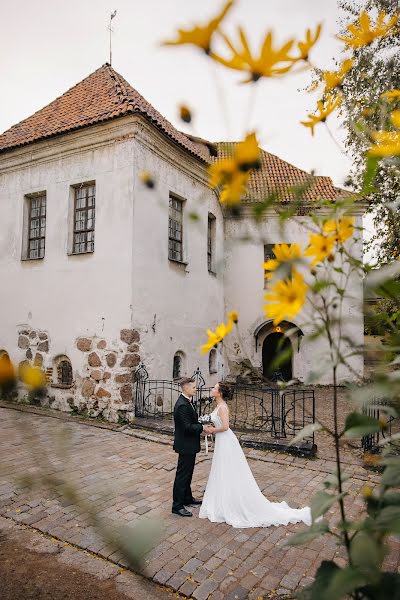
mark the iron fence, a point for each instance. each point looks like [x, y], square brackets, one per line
[370, 443]
[253, 408]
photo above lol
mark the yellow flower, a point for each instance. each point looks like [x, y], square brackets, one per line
[286, 298]
[334, 79]
[320, 247]
[391, 95]
[147, 179]
[33, 377]
[185, 113]
[283, 253]
[247, 153]
[233, 316]
[7, 372]
[387, 143]
[325, 109]
[309, 42]
[341, 230]
[221, 331]
[200, 35]
[367, 491]
[269, 63]
[361, 32]
[232, 174]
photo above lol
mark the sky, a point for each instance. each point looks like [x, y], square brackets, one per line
[47, 46]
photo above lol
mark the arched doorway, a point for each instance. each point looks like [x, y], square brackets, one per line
[274, 344]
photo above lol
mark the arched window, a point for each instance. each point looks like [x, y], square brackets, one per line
[62, 372]
[178, 368]
[212, 361]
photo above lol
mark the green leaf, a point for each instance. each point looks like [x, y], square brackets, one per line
[323, 576]
[358, 425]
[366, 555]
[388, 587]
[369, 175]
[314, 531]
[388, 519]
[136, 541]
[344, 582]
[322, 502]
[307, 431]
[391, 476]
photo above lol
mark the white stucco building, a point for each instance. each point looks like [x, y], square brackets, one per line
[100, 272]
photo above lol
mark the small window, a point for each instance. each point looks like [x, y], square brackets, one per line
[84, 218]
[175, 229]
[212, 361]
[211, 242]
[64, 372]
[177, 367]
[36, 226]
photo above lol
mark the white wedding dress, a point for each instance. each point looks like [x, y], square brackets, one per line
[232, 495]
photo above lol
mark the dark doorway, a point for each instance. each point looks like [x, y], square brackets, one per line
[273, 345]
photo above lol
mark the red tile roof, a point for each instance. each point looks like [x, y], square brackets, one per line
[277, 175]
[102, 96]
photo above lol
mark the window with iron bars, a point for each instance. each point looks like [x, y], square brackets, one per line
[64, 373]
[36, 226]
[84, 218]
[177, 367]
[175, 229]
[268, 255]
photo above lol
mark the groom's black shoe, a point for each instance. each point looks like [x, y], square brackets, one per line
[194, 502]
[182, 512]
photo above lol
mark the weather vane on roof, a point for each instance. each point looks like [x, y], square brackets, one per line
[111, 30]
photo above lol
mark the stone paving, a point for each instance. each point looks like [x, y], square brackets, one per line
[127, 475]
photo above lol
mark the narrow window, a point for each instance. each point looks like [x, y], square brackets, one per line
[177, 367]
[212, 361]
[84, 218]
[175, 239]
[36, 226]
[64, 372]
[268, 255]
[211, 242]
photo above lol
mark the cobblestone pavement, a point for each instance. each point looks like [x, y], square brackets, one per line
[127, 475]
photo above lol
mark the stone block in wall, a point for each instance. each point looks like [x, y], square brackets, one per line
[96, 374]
[126, 392]
[107, 375]
[94, 360]
[29, 354]
[130, 360]
[43, 335]
[102, 344]
[38, 360]
[32, 335]
[123, 378]
[129, 336]
[102, 393]
[84, 344]
[111, 359]
[88, 388]
[43, 346]
[23, 342]
[133, 348]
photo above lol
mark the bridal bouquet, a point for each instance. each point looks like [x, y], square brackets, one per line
[206, 420]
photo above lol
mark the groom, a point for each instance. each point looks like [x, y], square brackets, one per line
[186, 444]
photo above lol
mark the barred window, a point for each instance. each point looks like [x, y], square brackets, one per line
[268, 255]
[177, 367]
[64, 372]
[36, 226]
[84, 218]
[212, 361]
[175, 229]
[210, 242]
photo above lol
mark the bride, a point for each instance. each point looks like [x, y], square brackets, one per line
[232, 495]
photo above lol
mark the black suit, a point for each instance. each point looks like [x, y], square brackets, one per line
[186, 444]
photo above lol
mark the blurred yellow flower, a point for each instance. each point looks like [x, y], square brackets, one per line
[270, 62]
[340, 230]
[147, 179]
[32, 377]
[7, 371]
[283, 253]
[185, 113]
[232, 174]
[200, 35]
[361, 32]
[334, 79]
[221, 331]
[233, 316]
[286, 298]
[387, 143]
[305, 47]
[320, 246]
[391, 95]
[325, 109]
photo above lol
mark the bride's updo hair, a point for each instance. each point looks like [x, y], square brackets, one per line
[226, 390]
